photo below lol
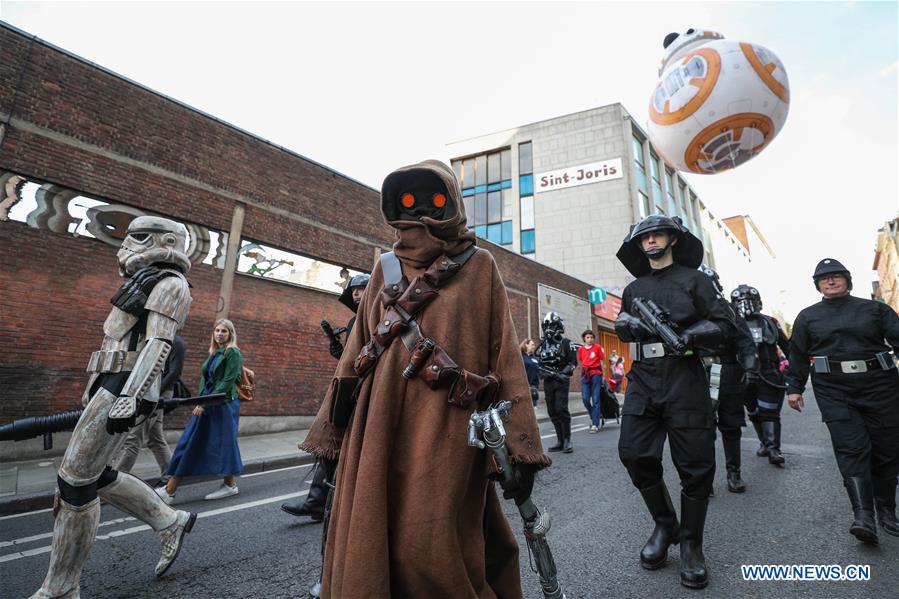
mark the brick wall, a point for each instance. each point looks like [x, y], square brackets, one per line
[81, 127]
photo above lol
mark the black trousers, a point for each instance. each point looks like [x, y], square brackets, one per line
[764, 402]
[557, 402]
[864, 443]
[691, 439]
[730, 414]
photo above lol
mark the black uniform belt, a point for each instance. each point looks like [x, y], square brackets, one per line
[825, 365]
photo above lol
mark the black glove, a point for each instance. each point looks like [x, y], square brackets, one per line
[631, 328]
[336, 348]
[703, 334]
[521, 484]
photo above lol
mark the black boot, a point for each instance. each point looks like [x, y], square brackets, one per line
[560, 437]
[762, 451]
[667, 532]
[885, 504]
[861, 495]
[566, 428]
[732, 460]
[771, 448]
[314, 505]
[693, 573]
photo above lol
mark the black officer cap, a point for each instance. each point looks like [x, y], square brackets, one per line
[830, 266]
[346, 298]
[687, 252]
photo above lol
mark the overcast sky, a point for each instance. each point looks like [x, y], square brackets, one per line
[367, 87]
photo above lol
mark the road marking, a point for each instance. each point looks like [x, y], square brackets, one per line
[127, 531]
[41, 511]
[574, 430]
[48, 535]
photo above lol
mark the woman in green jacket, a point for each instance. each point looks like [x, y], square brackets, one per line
[208, 445]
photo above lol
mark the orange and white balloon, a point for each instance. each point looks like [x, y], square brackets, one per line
[718, 102]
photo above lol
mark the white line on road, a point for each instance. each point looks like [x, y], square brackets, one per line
[127, 531]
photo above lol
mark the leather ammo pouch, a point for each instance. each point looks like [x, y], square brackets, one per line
[419, 294]
[343, 400]
[438, 369]
[366, 358]
[392, 325]
[470, 387]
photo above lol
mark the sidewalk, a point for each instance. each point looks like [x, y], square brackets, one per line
[30, 484]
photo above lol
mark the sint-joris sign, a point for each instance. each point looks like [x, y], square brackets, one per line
[578, 175]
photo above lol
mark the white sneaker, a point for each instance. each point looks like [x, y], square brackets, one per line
[593, 429]
[224, 491]
[164, 493]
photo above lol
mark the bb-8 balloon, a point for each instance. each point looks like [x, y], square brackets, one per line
[718, 102]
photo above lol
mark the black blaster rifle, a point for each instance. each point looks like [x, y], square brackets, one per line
[659, 321]
[553, 374]
[35, 426]
[331, 332]
[488, 425]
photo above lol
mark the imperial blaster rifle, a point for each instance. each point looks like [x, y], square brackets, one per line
[331, 332]
[659, 321]
[488, 424]
[35, 426]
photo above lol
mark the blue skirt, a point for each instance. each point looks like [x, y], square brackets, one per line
[208, 445]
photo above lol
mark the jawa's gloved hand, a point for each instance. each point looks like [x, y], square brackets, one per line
[521, 485]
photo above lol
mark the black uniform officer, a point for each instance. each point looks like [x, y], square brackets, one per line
[731, 366]
[765, 396]
[323, 471]
[557, 362]
[668, 392]
[857, 388]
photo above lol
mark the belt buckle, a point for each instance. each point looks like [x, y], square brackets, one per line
[853, 366]
[652, 350]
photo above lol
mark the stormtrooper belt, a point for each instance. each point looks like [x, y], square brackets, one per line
[118, 360]
[881, 361]
[647, 351]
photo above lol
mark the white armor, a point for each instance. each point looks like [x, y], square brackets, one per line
[137, 341]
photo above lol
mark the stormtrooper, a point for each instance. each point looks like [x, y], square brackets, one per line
[148, 309]
[765, 396]
[557, 362]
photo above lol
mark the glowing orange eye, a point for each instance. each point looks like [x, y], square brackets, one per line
[408, 200]
[439, 200]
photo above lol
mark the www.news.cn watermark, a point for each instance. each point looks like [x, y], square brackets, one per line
[810, 572]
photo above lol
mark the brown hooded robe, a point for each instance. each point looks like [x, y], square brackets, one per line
[414, 514]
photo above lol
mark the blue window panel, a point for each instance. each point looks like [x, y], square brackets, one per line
[480, 189]
[468, 192]
[507, 184]
[528, 243]
[526, 185]
[507, 232]
[495, 233]
[494, 187]
[481, 231]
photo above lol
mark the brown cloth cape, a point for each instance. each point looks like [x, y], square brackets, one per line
[414, 514]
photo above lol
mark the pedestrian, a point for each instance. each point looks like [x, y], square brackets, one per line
[591, 355]
[147, 310]
[557, 361]
[613, 359]
[765, 394]
[528, 349]
[323, 470]
[616, 376]
[856, 385]
[150, 432]
[208, 445]
[414, 514]
[668, 392]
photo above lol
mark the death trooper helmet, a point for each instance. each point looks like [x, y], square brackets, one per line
[710, 273]
[746, 300]
[553, 322]
[346, 298]
[153, 240]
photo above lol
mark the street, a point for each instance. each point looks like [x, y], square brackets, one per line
[245, 546]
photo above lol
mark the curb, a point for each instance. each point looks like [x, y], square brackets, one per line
[44, 500]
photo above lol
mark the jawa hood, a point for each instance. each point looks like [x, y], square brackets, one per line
[423, 203]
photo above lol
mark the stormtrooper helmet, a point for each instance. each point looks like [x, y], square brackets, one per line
[153, 240]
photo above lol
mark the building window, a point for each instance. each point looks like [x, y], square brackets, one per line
[656, 183]
[669, 194]
[527, 213]
[528, 243]
[642, 185]
[486, 187]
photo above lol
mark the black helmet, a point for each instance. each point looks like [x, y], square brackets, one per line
[687, 252]
[346, 298]
[710, 273]
[552, 320]
[746, 300]
[829, 266]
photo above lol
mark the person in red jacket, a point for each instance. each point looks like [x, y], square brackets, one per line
[591, 355]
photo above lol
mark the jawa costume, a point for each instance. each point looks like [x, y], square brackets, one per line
[414, 514]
